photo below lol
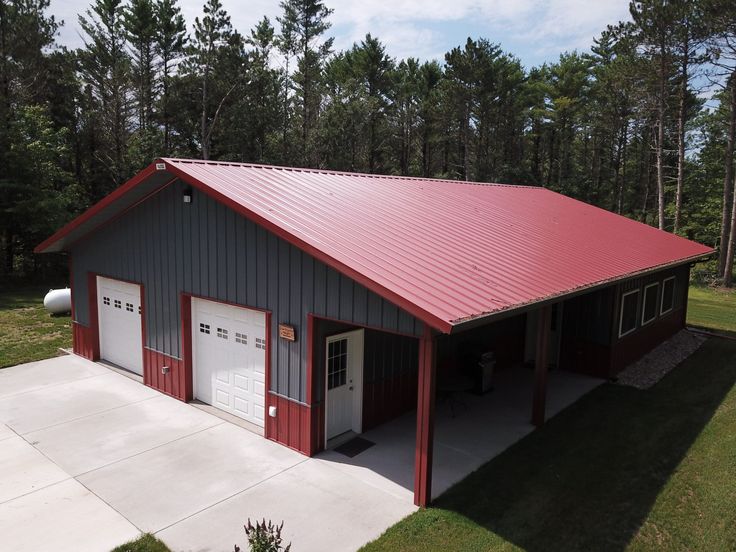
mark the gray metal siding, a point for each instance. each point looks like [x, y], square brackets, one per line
[206, 249]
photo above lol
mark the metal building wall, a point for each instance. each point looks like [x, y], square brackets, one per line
[206, 249]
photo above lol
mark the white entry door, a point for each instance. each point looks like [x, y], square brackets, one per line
[344, 383]
[229, 350]
[119, 320]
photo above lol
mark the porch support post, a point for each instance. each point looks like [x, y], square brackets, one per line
[540, 368]
[425, 420]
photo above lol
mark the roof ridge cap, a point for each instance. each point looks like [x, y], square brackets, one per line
[342, 173]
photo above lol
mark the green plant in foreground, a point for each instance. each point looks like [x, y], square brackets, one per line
[264, 537]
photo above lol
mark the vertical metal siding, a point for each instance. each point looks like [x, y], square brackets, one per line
[206, 249]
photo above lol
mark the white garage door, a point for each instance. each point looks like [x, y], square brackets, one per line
[119, 317]
[229, 350]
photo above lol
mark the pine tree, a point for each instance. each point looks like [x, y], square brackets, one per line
[140, 26]
[105, 70]
[253, 123]
[303, 23]
[653, 20]
[406, 97]
[373, 70]
[215, 58]
[170, 43]
[721, 16]
[26, 33]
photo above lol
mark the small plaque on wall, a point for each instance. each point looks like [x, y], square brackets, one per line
[287, 332]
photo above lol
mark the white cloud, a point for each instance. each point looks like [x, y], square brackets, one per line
[427, 28]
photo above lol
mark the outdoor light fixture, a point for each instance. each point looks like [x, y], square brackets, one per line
[187, 196]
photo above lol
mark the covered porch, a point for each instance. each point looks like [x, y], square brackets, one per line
[439, 419]
[469, 430]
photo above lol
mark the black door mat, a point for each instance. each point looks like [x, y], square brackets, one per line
[354, 447]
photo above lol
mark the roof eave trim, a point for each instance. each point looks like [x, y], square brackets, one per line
[108, 200]
[482, 319]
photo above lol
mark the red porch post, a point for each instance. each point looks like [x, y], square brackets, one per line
[425, 420]
[540, 367]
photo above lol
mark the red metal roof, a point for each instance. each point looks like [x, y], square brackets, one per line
[446, 251]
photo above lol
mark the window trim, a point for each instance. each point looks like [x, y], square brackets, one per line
[621, 313]
[661, 301]
[644, 305]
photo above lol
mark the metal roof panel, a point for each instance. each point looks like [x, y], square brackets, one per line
[446, 251]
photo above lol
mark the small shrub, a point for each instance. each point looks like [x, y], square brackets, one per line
[264, 537]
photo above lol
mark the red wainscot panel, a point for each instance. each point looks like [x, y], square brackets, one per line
[84, 342]
[173, 382]
[292, 425]
[632, 347]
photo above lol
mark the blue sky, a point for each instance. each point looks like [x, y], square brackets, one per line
[534, 30]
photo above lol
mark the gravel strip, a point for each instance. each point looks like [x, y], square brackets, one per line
[653, 366]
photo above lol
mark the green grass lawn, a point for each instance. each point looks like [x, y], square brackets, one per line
[621, 469]
[712, 308]
[27, 331]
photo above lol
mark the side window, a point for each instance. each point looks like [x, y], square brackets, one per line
[668, 295]
[629, 304]
[649, 305]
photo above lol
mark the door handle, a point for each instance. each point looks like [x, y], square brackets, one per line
[350, 388]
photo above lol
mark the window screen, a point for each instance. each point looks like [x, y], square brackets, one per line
[629, 303]
[650, 303]
[668, 295]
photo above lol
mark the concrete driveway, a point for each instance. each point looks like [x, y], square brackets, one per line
[90, 458]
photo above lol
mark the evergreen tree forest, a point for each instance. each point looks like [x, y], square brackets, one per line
[643, 124]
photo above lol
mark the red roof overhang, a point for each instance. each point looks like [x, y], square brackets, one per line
[287, 216]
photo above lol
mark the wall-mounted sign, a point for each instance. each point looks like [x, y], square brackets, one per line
[287, 332]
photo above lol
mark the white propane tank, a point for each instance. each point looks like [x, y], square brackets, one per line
[58, 301]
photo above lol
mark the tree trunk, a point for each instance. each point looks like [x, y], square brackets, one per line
[681, 133]
[305, 104]
[285, 127]
[536, 171]
[660, 138]
[660, 167]
[165, 105]
[623, 170]
[205, 135]
[9, 252]
[618, 181]
[728, 272]
[726, 215]
[425, 151]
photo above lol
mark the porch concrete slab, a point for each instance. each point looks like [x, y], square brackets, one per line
[179, 479]
[24, 470]
[323, 509]
[89, 443]
[389, 465]
[469, 431]
[53, 405]
[5, 432]
[64, 516]
[44, 373]
[484, 426]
